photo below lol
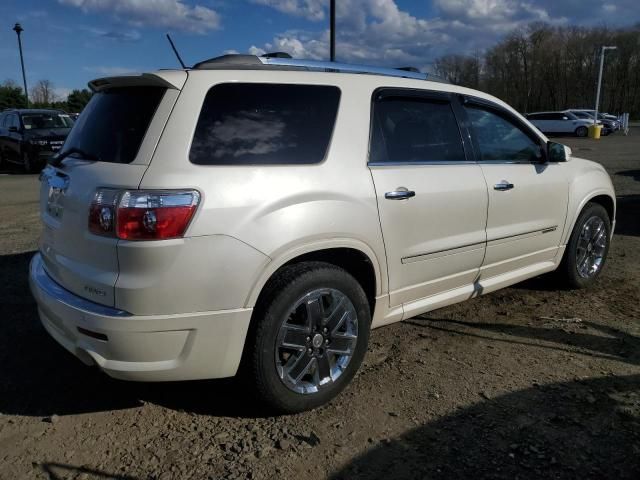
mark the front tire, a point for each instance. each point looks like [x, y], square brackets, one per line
[587, 249]
[582, 132]
[28, 164]
[309, 337]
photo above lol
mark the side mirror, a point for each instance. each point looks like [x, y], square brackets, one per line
[13, 129]
[565, 118]
[556, 152]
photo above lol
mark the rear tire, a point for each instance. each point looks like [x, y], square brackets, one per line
[582, 132]
[308, 338]
[586, 252]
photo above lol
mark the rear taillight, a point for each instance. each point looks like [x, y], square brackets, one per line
[142, 214]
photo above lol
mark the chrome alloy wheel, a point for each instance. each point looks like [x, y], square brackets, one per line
[592, 245]
[316, 341]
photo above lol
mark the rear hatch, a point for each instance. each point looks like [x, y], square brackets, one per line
[113, 141]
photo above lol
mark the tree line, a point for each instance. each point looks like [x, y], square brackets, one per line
[42, 95]
[544, 67]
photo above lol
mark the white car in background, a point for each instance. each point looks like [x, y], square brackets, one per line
[560, 122]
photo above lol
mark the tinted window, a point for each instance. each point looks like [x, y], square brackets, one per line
[500, 139]
[414, 130]
[259, 124]
[12, 121]
[46, 120]
[114, 122]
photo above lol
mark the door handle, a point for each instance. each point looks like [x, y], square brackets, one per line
[399, 194]
[503, 185]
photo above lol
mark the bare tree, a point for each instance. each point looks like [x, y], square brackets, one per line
[42, 93]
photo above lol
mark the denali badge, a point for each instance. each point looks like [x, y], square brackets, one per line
[95, 291]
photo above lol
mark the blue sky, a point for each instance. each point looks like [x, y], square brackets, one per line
[72, 41]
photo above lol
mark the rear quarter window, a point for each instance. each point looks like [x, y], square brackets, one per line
[265, 124]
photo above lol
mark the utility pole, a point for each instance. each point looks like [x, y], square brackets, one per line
[18, 29]
[604, 49]
[332, 30]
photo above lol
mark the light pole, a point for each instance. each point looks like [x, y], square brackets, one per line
[18, 29]
[604, 49]
[332, 30]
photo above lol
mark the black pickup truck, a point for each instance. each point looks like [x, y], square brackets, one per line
[28, 137]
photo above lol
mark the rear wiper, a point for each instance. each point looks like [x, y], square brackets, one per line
[56, 160]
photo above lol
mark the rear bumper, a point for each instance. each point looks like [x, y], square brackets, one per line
[142, 348]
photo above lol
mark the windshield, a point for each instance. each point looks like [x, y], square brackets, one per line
[39, 121]
[113, 124]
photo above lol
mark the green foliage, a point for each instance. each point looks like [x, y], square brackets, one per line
[77, 100]
[11, 96]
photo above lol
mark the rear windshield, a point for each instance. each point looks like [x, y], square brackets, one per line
[112, 125]
[265, 124]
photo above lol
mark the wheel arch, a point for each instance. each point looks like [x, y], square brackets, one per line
[353, 256]
[601, 197]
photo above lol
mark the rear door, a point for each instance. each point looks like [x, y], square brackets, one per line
[116, 133]
[432, 198]
[527, 198]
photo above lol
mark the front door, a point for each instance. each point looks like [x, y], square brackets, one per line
[431, 197]
[527, 198]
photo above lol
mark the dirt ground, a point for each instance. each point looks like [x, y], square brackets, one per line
[528, 382]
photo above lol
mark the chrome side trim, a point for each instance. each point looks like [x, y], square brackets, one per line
[45, 283]
[437, 162]
[443, 253]
[520, 236]
[509, 162]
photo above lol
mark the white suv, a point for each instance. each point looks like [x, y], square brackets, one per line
[260, 215]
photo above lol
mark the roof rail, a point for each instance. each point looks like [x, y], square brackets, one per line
[281, 62]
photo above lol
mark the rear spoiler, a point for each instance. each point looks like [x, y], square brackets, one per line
[173, 79]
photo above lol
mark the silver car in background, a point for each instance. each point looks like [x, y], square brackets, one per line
[560, 123]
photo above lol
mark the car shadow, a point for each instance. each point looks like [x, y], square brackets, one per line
[582, 429]
[635, 174]
[63, 471]
[628, 215]
[40, 378]
[596, 340]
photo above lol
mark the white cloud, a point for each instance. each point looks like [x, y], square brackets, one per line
[379, 32]
[309, 9]
[61, 93]
[108, 70]
[174, 14]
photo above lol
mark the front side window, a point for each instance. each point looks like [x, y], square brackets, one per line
[265, 124]
[499, 138]
[414, 130]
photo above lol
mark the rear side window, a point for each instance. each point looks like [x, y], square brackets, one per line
[265, 124]
[114, 122]
[414, 130]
